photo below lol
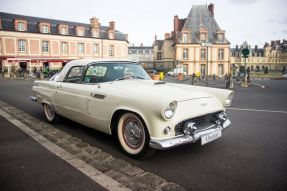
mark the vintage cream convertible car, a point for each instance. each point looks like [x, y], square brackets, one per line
[118, 97]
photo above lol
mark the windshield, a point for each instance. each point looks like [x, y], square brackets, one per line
[106, 72]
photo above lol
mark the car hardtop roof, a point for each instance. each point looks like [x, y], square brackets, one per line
[84, 62]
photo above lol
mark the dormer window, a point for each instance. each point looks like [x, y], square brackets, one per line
[44, 27]
[111, 35]
[80, 31]
[63, 29]
[203, 35]
[220, 36]
[185, 37]
[95, 33]
[20, 25]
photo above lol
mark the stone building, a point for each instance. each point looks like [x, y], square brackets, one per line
[198, 44]
[163, 53]
[29, 42]
[142, 54]
[272, 56]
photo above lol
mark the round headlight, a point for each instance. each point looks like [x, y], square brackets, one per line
[169, 111]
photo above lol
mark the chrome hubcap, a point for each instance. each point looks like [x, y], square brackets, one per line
[133, 133]
[50, 111]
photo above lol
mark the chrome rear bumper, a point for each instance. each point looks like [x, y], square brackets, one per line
[185, 139]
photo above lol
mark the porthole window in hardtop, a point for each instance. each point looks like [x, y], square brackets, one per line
[74, 75]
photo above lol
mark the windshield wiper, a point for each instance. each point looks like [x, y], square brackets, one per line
[127, 77]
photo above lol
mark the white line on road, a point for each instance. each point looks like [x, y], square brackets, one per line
[97, 176]
[269, 111]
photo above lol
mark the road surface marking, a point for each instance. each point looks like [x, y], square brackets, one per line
[269, 111]
[94, 174]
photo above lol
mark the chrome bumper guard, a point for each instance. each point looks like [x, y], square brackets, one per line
[185, 139]
[33, 98]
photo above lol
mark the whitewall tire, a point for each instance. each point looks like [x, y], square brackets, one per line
[133, 135]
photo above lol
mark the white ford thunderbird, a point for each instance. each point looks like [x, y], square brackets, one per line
[118, 97]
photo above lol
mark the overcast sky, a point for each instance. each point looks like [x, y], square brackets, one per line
[254, 21]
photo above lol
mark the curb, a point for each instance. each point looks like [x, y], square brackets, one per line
[91, 160]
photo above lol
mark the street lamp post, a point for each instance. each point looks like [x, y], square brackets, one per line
[206, 44]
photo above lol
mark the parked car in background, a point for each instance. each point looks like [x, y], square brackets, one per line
[176, 71]
[118, 97]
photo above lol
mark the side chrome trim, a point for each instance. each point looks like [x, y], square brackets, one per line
[185, 139]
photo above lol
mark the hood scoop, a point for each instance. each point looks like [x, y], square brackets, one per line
[159, 83]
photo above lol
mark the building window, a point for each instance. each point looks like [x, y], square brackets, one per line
[80, 32]
[45, 28]
[21, 26]
[220, 70]
[202, 69]
[202, 37]
[146, 51]
[64, 30]
[95, 33]
[185, 54]
[45, 46]
[111, 50]
[95, 48]
[140, 51]
[158, 56]
[220, 54]
[202, 54]
[64, 47]
[81, 48]
[111, 35]
[22, 45]
[185, 37]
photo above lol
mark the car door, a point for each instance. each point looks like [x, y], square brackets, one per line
[68, 97]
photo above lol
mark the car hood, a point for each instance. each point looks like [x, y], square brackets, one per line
[157, 89]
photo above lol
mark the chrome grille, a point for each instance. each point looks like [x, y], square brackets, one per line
[201, 122]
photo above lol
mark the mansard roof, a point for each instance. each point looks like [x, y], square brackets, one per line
[200, 17]
[7, 21]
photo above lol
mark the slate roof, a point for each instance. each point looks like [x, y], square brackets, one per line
[199, 16]
[7, 21]
[253, 51]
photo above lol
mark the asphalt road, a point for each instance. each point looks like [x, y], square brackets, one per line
[26, 165]
[251, 155]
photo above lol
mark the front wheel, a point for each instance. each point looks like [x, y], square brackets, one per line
[50, 113]
[133, 136]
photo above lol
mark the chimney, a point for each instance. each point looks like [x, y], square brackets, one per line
[256, 48]
[175, 23]
[141, 44]
[127, 36]
[155, 37]
[211, 9]
[94, 21]
[167, 35]
[112, 25]
[236, 47]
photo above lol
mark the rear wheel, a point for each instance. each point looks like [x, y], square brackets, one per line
[133, 136]
[50, 113]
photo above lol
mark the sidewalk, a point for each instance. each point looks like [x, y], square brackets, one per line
[111, 173]
[26, 165]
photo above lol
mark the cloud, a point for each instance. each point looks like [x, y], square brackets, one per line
[283, 21]
[243, 2]
[279, 21]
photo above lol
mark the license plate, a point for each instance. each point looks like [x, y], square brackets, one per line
[210, 137]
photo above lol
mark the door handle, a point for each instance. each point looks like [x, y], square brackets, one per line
[98, 96]
[59, 86]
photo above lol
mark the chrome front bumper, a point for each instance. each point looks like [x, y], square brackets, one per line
[185, 139]
[33, 98]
